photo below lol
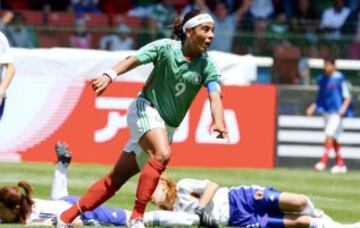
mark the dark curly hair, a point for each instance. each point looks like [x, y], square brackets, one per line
[177, 28]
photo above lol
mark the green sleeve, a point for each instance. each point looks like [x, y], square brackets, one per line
[210, 71]
[150, 52]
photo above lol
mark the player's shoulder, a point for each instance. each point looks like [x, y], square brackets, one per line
[167, 42]
[338, 75]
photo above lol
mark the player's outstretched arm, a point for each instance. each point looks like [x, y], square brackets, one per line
[100, 83]
[311, 109]
[217, 112]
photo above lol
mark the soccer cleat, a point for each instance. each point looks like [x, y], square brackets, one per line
[136, 223]
[58, 223]
[320, 166]
[63, 154]
[338, 169]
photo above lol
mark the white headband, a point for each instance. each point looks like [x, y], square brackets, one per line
[197, 20]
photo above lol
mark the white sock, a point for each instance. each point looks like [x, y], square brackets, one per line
[59, 184]
[310, 209]
[323, 223]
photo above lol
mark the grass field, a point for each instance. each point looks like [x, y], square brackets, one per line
[338, 195]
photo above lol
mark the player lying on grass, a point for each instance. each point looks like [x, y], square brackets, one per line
[242, 206]
[17, 204]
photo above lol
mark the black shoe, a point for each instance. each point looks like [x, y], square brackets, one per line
[63, 154]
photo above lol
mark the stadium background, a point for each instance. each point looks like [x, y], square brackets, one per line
[270, 70]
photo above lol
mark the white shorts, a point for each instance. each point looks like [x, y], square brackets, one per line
[333, 125]
[142, 116]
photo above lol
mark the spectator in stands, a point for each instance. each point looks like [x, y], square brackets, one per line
[353, 50]
[21, 35]
[7, 63]
[80, 38]
[85, 6]
[164, 13]
[142, 8]
[149, 34]
[333, 19]
[261, 9]
[225, 23]
[118, 40]
[5, 18]
[304, 22]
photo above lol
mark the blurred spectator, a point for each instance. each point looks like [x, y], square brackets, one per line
[261, 9]
[225, 23]
[164, 13]
[304, 22]
[5, 18]
[283, 7]
[142, 9]
[81, 38]
[333, 19]
[278, 31]
[21, 35]
[149, 34]
[117, 40]
[196, 4]
[303, 72]
[353, 51]
[85, 6]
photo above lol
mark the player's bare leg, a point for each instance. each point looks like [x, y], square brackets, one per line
[298, 203]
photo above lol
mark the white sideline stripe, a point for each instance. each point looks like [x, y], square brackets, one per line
[311, 122]
[315, 137]
[314, 151]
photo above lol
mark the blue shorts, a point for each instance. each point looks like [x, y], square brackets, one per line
[102, 215]
[255, 206]
[2, 107]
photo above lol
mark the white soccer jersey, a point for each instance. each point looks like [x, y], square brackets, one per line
[218, 208]
[5, 56]
[44, 210]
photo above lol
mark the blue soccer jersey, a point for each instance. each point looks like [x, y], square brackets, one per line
[332, 92]
[103, 215]
[252, 206]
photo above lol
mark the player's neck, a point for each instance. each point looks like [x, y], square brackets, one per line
[189, 53]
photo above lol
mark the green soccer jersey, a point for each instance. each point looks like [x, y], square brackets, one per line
[174, 81]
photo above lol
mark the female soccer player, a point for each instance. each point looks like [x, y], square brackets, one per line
[18, 206]
[242, 206]
[181, 68]
[333, 100]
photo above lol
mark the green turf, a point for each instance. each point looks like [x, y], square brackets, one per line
[338, 195]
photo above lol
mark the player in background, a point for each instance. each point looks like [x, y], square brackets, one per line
[7, 64]
[334, 101]
[241, 206]
[181, 68]
[18, 206]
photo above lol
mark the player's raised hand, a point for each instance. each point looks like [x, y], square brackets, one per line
[99, 84]
[220, 130]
